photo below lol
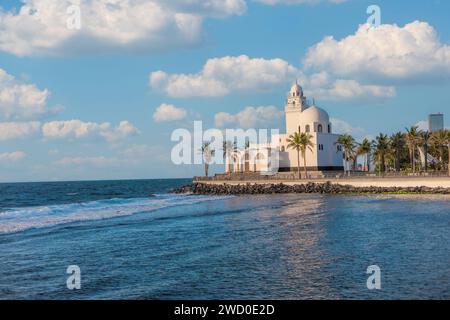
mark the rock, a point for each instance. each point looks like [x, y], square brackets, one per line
[310, 187]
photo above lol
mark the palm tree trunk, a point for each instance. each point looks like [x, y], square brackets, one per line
[298, 164]
[449, 159]
[348, 167]
[304, 165]
[345, 166]
[206, 169]
[426, 157]
[397, 160]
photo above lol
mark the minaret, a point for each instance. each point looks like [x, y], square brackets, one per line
[296, 104]
[296, 100]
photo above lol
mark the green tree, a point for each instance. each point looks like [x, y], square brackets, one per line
[364, 150]
[440, 141]
[301, 141]
[397, 144]
[229, 149]
[424, 141]
[412, 138]
[448, 146]
[348, 144]
[207, 155]
[381, 148]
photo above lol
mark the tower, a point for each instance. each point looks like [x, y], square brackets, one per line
[296, 99]
[295, 105]
[435, 122]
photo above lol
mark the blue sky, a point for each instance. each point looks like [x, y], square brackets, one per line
[80, 104]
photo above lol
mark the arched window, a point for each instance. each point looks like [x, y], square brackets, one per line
[283, 149]
[260, 156]
[319, 128]
[307, 128]
[299, 130]
[329, 128]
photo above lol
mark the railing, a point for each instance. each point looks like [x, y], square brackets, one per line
[292, 176]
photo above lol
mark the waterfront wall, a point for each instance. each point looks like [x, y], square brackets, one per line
[306, 187]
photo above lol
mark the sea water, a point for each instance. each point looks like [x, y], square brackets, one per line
[135, 240]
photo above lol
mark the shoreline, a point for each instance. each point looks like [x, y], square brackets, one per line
[321, 186]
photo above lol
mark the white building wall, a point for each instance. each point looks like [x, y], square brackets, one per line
[329, 156]
[290, 157]
[293, 120]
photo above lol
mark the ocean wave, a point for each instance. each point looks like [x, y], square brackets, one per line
[20, 219]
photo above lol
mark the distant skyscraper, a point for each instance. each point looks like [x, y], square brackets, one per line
[435, 122]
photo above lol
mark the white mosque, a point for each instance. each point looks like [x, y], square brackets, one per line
[326, 155]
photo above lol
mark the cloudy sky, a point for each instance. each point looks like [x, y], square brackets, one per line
[101, 101]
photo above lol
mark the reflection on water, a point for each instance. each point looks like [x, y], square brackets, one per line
[252, 247]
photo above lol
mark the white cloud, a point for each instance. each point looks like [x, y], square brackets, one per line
[12, 156]
[40, 26]
[351, 90]
[123, 130]
[221, 76]
[20, 100]
[144, 152]
[15, 130]
[388, 53]
[76, 129]
[341, 127]
[168, 112]
[99, 161]
[249, 117]
[422, 125]
[292, 2]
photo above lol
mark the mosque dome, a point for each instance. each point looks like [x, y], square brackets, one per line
[315, 114]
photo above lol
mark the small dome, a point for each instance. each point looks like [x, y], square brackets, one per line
[296, 90]
[315, 114]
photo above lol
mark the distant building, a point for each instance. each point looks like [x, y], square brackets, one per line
[435, 122]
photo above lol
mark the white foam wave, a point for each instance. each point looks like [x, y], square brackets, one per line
[20, 219]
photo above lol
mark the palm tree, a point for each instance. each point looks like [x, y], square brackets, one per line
[364, 149]
[207, 154]
[412, 140]
[381, 146]
[397, 143]
[424, 140]
[440, 141]
[355, 156]
[229, 148]
[448, 146]
[348, 144]
[301, 142]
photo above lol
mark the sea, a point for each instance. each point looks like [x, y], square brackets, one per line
[136, 240]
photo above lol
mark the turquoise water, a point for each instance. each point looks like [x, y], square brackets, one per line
[133, 240]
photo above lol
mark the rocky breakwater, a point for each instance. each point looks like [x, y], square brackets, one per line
[323, 188]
